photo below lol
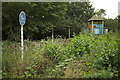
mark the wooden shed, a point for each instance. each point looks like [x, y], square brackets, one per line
[96, 24]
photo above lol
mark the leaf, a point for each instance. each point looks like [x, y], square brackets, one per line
[28, 68]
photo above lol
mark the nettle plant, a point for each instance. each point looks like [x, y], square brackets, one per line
[103, 48]
[54, 51]
[106, 51]
[81, 44]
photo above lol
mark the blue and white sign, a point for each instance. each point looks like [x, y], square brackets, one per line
[100, 25]
[97, 31]
[96, 25]
[22, 18]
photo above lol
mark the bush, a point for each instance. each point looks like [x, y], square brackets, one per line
[103, 49]
[86, 56]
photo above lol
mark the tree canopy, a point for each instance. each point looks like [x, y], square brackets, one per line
[42, 17]
[100, 12]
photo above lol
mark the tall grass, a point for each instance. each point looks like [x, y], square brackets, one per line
[34, 54]
[83, 56]
[12, 62]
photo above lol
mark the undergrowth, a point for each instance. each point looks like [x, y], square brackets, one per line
[83, 56]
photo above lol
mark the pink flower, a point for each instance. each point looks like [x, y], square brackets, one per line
[96, 47]
[92, 50]
[99, 44]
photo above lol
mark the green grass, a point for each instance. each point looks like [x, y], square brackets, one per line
[84, 56]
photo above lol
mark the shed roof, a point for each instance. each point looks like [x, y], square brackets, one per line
[96, 17]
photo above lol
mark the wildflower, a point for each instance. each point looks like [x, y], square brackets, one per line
[96, 48]
[99, 44]
[92, 50]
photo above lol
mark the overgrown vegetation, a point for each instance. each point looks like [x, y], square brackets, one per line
[86, 56]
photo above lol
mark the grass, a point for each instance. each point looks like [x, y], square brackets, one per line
[34, 54]
[58, 59]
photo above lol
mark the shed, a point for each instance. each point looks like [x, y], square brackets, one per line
[96, 23]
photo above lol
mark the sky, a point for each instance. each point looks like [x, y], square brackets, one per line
[110, 6]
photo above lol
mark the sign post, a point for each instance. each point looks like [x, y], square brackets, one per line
[22, 20]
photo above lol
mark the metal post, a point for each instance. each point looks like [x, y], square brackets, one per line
[22, 42]
[22, 20]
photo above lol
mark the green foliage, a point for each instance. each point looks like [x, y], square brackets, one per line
[112, 24]
[12, 63]
[100, 12]
[118, 23]
[42, 17]
[78, 15]
[86, 56]
[102, 50]
[107, 51]
[79, 45]
[83, 56]
[53, 52]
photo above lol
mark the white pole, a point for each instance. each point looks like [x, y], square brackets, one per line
[22, 42]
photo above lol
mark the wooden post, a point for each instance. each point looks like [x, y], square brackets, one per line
[52, 35]
[88, 24]
[69, 32]
[1, 71]
[103, 24]
[92, 26]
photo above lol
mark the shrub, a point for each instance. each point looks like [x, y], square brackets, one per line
[81, 44]
[86, 56]
[104, 51]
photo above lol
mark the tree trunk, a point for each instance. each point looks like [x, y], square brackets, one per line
[11, 33]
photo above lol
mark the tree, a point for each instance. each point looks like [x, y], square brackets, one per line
[78, 15]
[112, 24]
[11, 27]
[42, 17]
[100, 12]
[118, 23]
